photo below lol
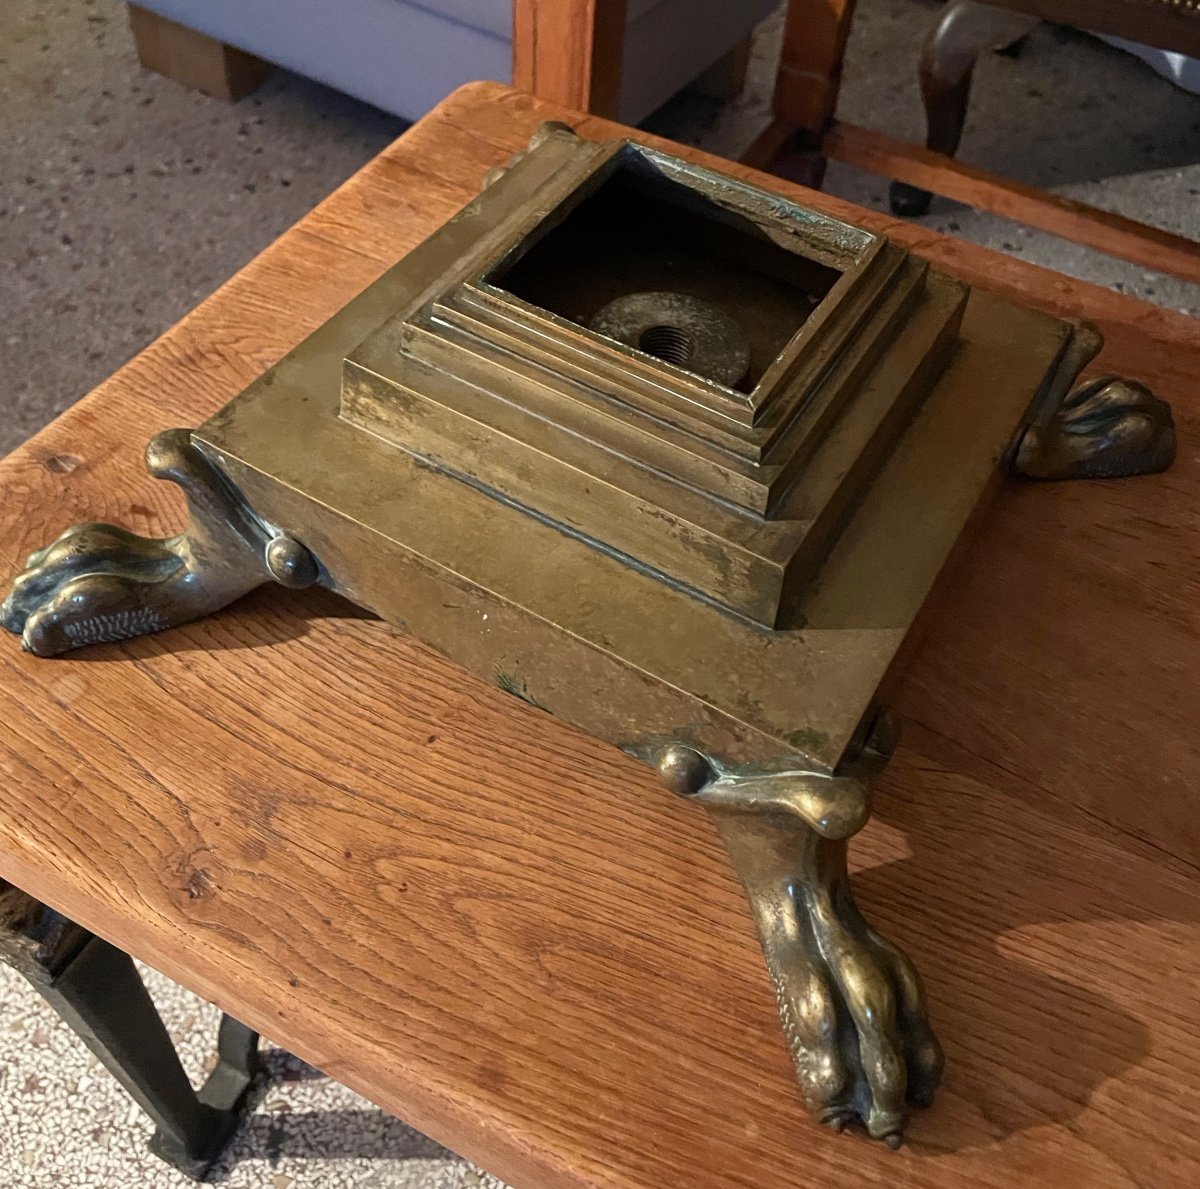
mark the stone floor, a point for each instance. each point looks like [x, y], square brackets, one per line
[124, 200]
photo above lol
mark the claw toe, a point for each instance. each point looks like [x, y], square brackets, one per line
[839, 1118]
[887, 1126]
[12, 618]
[91, 609]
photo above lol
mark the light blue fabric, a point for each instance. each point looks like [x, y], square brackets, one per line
[1179, 68]
[495, 16]
[397, 56]
[406, 57]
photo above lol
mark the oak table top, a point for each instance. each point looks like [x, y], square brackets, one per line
[508, 933]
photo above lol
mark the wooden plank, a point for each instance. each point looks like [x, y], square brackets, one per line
[570, 52]
[504, 931]
[1151, 247]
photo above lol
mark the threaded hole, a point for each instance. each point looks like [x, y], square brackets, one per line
[668, 343]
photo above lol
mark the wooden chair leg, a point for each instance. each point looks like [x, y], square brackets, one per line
[570, 52]
[963, 32]
[806, 89]
[193, 59]
[725, 79]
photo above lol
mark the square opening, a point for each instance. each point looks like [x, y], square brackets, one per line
[637, 230]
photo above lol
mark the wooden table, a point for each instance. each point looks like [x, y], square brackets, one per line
[507, 933]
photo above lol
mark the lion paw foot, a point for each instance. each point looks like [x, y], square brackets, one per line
[1106, 429]
[854, 1013]
[852, 1004]
[99, 583]
[96, 583]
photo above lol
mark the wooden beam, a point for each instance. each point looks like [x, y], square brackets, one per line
[1150, 247]
[570, 52]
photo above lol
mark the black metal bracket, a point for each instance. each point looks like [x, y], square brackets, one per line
[96, 989]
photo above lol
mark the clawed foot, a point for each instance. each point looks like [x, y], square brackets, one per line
[99, 583]
[862, 1042]
[852, 1004]
[1106, 429]
[96, 583]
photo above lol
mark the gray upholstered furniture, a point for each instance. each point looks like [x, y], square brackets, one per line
[404, 55]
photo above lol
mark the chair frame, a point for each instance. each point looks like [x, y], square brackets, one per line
[804, 134]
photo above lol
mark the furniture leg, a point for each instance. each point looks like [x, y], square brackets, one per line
[963, 32]
[806, 89]
[570, 52]
[96, 989]
[1105, 428]
[193, 59]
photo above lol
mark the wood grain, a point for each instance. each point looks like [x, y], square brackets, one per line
[1106, 231]
[504, 931]
[570, 52]
[810, 63]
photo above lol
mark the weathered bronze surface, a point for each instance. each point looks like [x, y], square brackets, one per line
[674, 459]
[99, 583]
[1105, 429]
[852, 1004]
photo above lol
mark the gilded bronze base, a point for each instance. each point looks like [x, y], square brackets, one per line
[673, 459]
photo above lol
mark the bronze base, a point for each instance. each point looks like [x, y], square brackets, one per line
[716, 578]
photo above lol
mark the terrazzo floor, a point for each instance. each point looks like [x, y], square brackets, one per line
[124, 200]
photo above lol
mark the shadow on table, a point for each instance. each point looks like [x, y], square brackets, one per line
[1028, 1041]
[266, 616]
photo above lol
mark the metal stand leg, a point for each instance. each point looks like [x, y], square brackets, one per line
[98, 992]
[948, 58]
